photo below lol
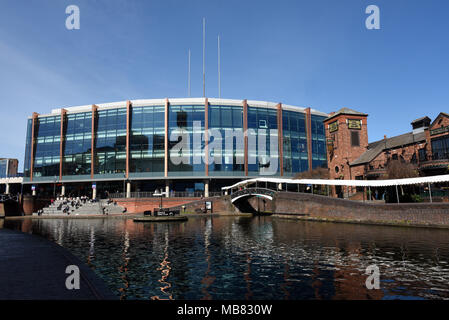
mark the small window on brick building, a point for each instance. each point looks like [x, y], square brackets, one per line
[355, 140]
[394, 157]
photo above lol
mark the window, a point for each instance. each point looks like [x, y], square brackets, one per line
[394, 156]
[355, 140]
[440, 148]
[263, 124]
[422, 154]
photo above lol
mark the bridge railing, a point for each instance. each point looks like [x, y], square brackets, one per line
[253, 191]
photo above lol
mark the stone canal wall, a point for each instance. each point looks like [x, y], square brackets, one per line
[289, 204]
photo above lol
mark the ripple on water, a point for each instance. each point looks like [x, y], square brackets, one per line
[260, 258]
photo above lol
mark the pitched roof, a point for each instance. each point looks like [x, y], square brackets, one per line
[420, 119]
[440, 114]
[375, 148]
[346, 111]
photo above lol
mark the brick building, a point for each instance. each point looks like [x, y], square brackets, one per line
[350, 156]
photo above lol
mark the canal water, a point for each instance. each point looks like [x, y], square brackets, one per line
[253, 258]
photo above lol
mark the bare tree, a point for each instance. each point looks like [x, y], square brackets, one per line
[397, 169]
[317, 173]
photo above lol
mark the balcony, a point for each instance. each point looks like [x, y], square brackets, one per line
[436, 161]
[375, 169]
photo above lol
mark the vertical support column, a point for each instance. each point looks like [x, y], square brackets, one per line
[61, 143]
[397, 193]
[280, 139]
[7, 188]
[206, 188]
[94, 194]
[128, 189]
[430, 192]
[33, 136]
[128, 123]
[63, 191]
[309, 137]
[206, 136]
[92, 141]
[166, 139]
[245, 132]
[167, 188]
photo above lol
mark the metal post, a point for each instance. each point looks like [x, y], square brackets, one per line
[397, 193]
[204, 57]
[369, 192]
[54, 189]
[312, 188]
[327, 188]
[430, 192]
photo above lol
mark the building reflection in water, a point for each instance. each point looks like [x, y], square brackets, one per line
[165, 273]
[253, 258]
[91, 255]
[247, 277]
[123, 269]
[207, 280]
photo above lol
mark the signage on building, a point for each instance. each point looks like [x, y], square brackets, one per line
[354, 124]
[333, 126]
[439, 131]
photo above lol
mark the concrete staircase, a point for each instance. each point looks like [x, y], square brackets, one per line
[88, 208]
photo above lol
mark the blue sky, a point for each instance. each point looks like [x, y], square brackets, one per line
[308, 53]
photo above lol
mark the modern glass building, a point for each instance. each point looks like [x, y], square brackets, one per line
[8, 168]
[137, 145]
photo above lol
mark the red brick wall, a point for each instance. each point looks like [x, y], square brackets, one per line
[340, 209]
[343, 151]
[436, 125]
[144, 204]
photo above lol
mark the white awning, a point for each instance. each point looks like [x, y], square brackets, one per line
[351, 183]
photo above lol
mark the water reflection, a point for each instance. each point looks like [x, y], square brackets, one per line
[253, 258]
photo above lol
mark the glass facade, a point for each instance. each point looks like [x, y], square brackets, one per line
[3, 167]
[110, 142]
[147, 146]
[262, 121]
[319, 158]
[294, 142]
[147, 142]
[77, 144]
[47, 141]
[228, 122]
[181, 121]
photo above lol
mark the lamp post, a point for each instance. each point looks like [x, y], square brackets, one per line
[159, 193]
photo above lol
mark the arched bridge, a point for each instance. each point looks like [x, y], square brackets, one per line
[251, 192]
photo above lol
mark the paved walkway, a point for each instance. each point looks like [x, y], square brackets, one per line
[32, 267]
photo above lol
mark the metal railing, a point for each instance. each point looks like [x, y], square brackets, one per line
[172, 194]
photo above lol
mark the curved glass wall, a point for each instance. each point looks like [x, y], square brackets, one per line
[147, 143]
[295, 142]
[185, 126]
[110, 142]
[262, 121]
[147, 146]
[77, 144]
[46, 159]
[226, 122]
